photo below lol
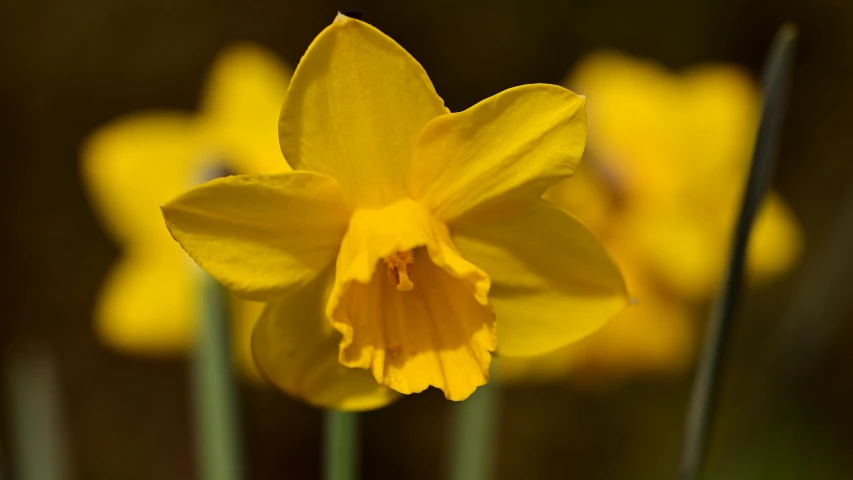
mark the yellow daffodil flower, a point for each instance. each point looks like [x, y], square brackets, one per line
[409, 243]
[661, 187]
[148, 304]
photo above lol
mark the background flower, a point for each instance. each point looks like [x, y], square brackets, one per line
[149, 303]
[660, 184]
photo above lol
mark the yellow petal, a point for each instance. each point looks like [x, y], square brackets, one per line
[686, 248]
[297, 350]
[655, 335]
[440, 333]
[776, 241]
[354, 108]
[587, 197]
[507, 148]
[721, 110]
[261, 235]
[241, 106]
[649, 120]
[148, 303]
[552, 281]
[135, 164]
[635, 109]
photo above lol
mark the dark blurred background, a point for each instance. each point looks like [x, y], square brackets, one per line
[70, 67]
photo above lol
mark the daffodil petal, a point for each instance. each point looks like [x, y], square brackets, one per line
[354, 109]
[134, 164]
[587, 197]
[552, 281]
[146, 304]
[776, 241]
[440, 333]
[686, 248]
[129, 167]
[654, 336]
[631, 140]
[241, 106]
[296, 349]
[500, 154]
[261, 235]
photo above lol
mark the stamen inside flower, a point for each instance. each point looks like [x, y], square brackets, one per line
[399, 269]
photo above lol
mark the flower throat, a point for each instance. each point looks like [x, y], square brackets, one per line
[399, 267]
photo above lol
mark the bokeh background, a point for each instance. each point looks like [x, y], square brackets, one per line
[70, 67]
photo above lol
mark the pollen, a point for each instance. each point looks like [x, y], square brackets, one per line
[399, 268]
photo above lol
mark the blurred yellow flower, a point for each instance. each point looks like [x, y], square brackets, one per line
[148, 304]
[406, 234]
[664, 173]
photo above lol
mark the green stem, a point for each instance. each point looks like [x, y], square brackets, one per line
[217, 436]
[474, 433]
[38, 440]
[706, 386]
[341, 445]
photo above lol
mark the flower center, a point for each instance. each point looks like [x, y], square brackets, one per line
[399, 268]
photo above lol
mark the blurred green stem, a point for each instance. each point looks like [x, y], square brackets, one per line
[709, 372]
[38, 446]
[474, 433]
[217, 437]
[341, 445]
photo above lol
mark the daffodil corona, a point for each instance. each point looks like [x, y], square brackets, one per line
[409, 243]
